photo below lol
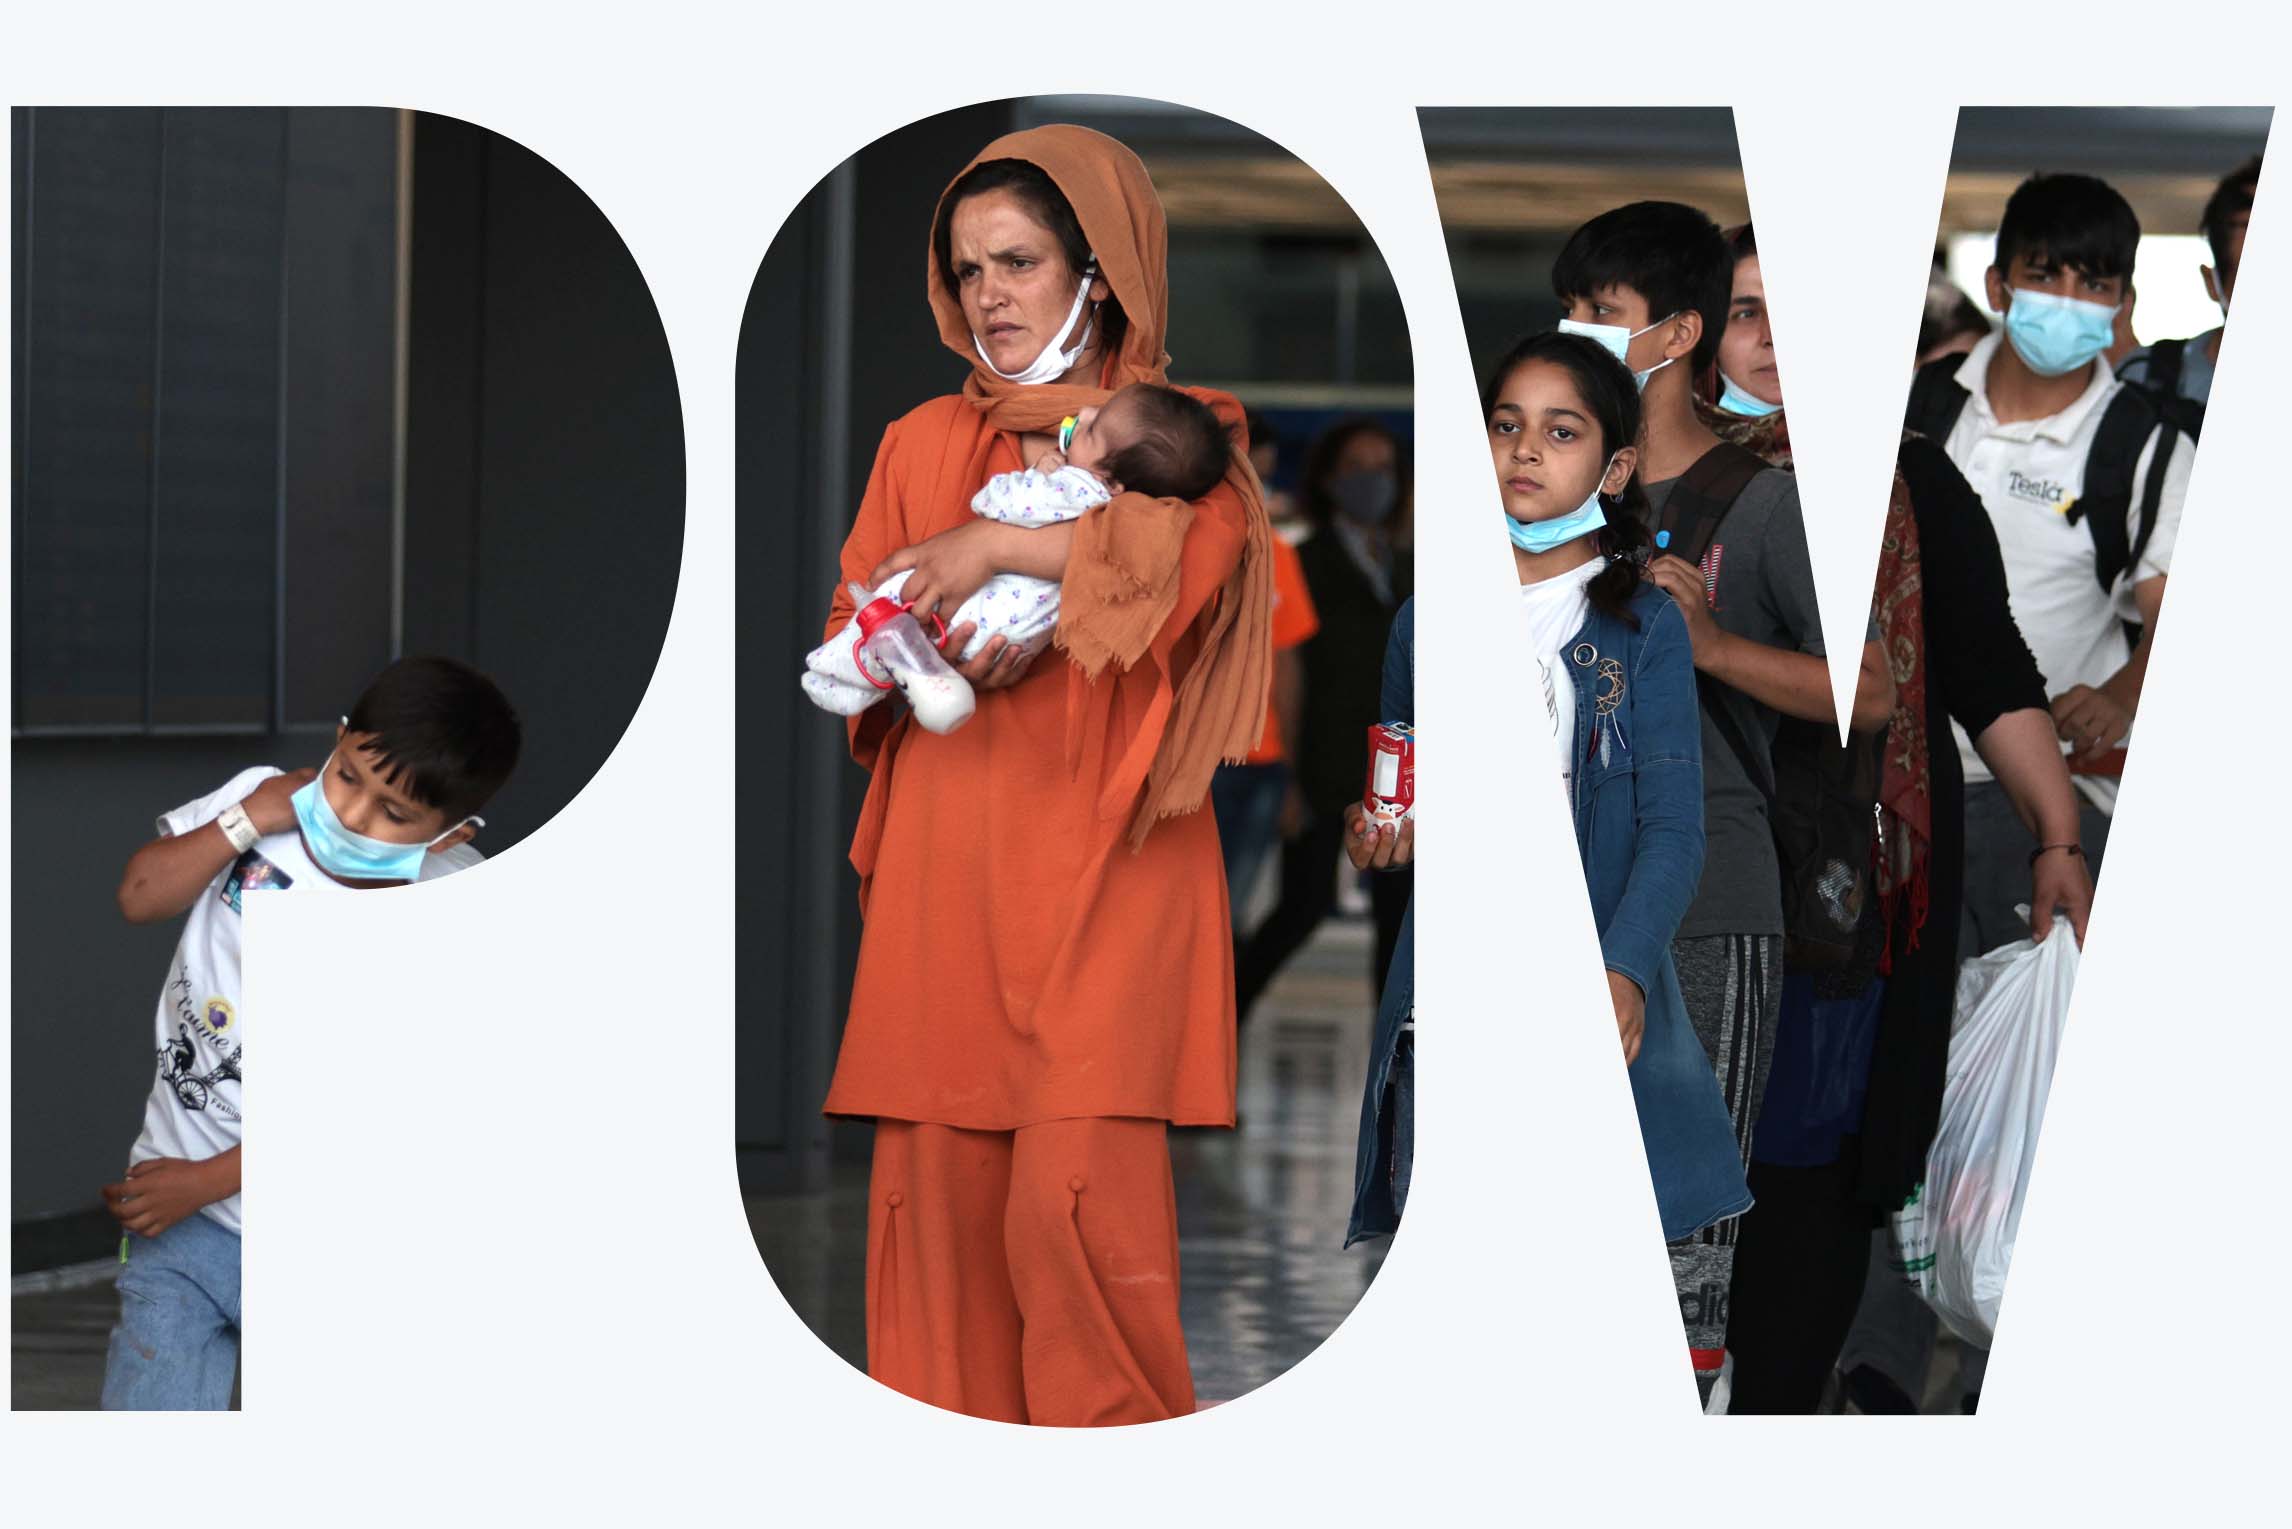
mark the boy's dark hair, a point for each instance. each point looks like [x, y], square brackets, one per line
[1667, 252]
[443, 733]
[1047, 205]
[2069, 220]
[1606, 387]
[1743, 242]
[1182, 448]
[2231, 197]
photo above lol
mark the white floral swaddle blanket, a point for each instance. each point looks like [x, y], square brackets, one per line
[1022, 610]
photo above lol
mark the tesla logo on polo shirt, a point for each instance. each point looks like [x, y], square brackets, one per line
[2045, 491]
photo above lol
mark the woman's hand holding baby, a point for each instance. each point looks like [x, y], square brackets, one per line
[996, 665]
[947, 569]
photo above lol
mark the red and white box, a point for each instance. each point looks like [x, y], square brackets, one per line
[1391, 794]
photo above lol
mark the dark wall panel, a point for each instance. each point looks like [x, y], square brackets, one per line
[580, 526]
[342, 264]
[88, 346]
[215, 490]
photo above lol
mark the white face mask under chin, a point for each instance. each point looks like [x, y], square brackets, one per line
[1053, 363]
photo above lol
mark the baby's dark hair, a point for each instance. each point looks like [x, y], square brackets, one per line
[443, 733]
[1606, 387]
[1182, 447]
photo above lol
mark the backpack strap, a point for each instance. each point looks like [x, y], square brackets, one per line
[2164, 375]
[1700, 500]
[1937, 398]
[2130, 419]
[2161, 380]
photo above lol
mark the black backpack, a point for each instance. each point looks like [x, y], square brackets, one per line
[1822, 799]
[2162, 382]
[1937, 398]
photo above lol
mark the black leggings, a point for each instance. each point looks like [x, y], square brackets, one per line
[1308, 893]
[1800, 1256]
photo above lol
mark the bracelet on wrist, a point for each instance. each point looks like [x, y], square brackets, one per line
[2043, 849]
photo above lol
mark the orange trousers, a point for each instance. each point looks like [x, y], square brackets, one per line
[1029, 1276]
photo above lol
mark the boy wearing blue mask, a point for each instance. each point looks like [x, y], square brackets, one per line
[1652, 282]
[428, 744]
[2083, 480]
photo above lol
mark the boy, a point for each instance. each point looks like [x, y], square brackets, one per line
[2184, 368]
[2083, 480]
[428, 744]
[1156, 441]
[1651, 281]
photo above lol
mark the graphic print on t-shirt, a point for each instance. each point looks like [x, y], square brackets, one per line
[252, 873]
[200, 1021]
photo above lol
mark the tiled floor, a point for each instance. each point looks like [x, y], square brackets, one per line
[1264, 1272]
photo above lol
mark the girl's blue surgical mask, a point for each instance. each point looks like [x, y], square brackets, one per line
[2056, 335]
[353, 856]
[1544, 535]
[1618, 341]
[1736, 401]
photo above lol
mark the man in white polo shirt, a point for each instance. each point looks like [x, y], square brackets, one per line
[2083, 482]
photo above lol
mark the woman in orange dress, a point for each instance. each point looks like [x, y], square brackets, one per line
[1045, 978]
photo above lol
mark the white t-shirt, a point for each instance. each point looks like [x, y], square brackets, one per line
[193, 1111]
[2028, 475]
[1557, 609]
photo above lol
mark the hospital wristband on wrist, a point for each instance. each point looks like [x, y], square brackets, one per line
[238, 827]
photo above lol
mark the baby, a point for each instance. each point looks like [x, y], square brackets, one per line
[1148, 439]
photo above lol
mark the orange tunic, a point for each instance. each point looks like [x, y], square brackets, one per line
[1019, 962]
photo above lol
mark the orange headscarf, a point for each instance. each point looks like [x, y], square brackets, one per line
[1120, 585]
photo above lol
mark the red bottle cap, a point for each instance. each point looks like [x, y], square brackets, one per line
[875, 613]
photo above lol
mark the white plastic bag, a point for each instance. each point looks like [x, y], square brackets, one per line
[1955, 1238]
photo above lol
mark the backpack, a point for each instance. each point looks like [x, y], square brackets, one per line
[2163, 385]
[1937, 398]
[1822, 799]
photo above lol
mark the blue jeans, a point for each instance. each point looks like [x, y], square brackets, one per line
[176, 1348]
[1247, 801]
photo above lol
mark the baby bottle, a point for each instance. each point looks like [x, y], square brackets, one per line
[891, 642]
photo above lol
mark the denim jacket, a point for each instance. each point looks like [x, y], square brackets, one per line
[1637, 800]
[1387, 1145]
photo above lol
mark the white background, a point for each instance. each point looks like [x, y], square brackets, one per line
[522, 1289]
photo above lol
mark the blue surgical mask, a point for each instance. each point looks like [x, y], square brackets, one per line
[1544, 535]
[1618, 341]
[2056, 335]
[1735, 401]
[353, 856]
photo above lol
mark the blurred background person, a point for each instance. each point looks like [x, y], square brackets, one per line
[2184, 368]
[1350, 491]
